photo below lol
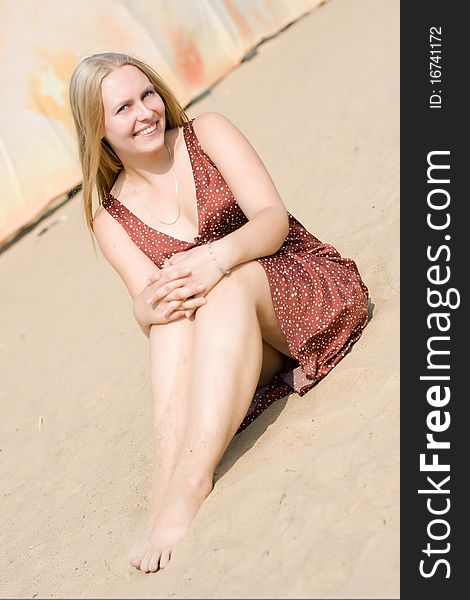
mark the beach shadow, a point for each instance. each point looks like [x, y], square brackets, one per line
[370, 309]
[246, 439]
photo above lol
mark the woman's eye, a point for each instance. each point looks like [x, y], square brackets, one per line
[124, 105]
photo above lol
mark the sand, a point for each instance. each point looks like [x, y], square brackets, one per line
[306, 500]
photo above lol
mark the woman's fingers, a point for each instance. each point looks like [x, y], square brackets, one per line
[185, 309]
[154, 278]
[177, 306]
[176, 314]
[164, 290]
[168, 273]
[175, 290]
[193, 303]
[187, 291]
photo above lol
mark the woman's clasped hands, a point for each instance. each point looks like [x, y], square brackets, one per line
[178, 289]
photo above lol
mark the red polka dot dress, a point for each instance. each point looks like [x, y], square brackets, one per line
[319, 297]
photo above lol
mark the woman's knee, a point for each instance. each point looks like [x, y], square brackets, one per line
[243, 283]
[181, 328]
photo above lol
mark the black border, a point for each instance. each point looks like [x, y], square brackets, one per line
[423, 130]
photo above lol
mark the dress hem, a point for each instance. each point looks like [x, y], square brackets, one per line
[296, 377]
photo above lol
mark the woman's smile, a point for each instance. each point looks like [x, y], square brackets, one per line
[150, 130]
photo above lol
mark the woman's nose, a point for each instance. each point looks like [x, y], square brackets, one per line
[143, 112]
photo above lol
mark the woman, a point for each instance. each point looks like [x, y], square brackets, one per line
[241, 304]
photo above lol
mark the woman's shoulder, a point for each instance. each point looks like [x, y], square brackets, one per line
[107, 230]
[116, 190]
[101, 214]
[216, 133]
[100, 220]
[99, 210]
[210, 122]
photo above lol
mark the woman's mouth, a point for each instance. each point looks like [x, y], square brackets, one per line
[148, 131]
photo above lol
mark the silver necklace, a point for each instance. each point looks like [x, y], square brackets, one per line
[176, 192]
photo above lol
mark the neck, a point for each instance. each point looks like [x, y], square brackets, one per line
[154, 185]
[150, 170]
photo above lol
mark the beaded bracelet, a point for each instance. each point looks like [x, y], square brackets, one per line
[224, 271]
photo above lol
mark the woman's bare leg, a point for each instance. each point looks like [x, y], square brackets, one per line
[273, 361]
[170, 371]
[227, 331]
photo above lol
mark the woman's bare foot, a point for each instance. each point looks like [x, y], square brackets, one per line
[167, 526]
[145, 526]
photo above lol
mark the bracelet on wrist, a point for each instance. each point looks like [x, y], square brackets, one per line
[211, 251]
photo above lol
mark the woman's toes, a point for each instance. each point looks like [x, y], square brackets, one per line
[153, 562]
[144, 565]
[164, 558]
[135, 562]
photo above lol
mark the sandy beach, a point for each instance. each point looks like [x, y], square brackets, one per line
[306, 499]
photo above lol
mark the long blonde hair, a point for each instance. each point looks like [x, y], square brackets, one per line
[100, 164]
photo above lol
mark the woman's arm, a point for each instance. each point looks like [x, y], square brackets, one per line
[134, 268]
[253, 188]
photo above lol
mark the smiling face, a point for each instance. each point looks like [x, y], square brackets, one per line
[132, 107]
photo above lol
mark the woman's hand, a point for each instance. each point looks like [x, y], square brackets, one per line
[157, 304]
[204, 274]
